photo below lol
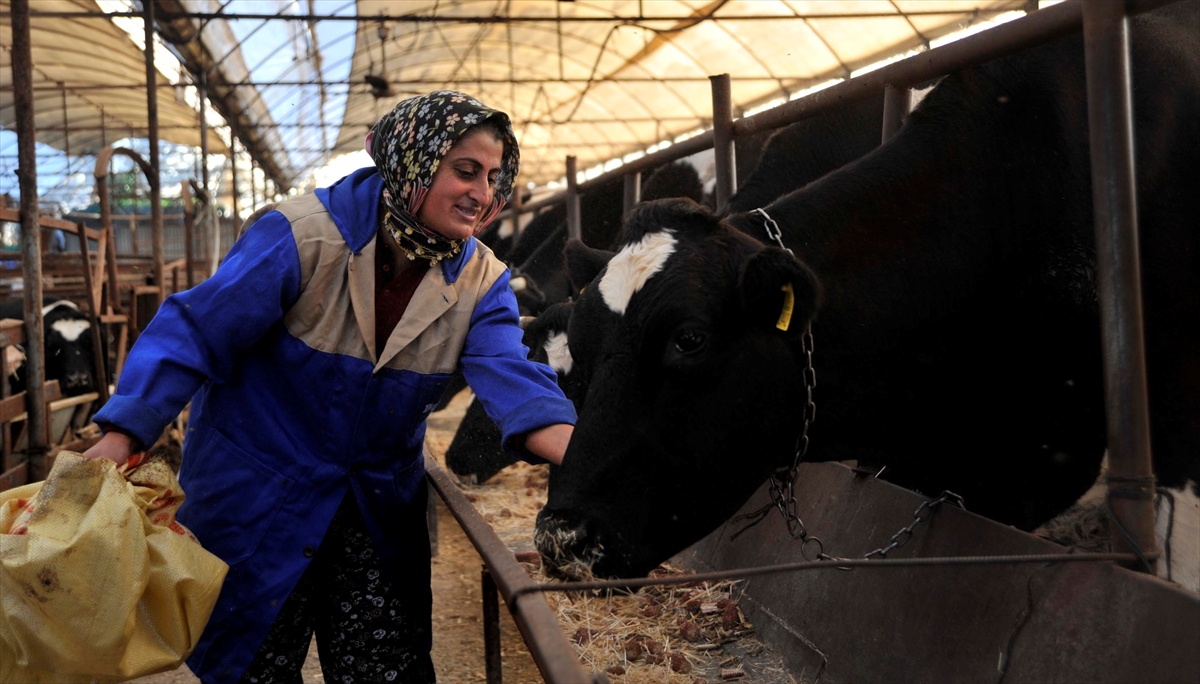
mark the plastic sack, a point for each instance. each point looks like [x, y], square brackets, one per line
[98, 582]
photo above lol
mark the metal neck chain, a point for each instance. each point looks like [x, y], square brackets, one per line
[783, 491]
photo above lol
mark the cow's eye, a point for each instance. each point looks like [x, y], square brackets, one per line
[689, 341]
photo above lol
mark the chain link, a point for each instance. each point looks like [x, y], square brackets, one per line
[783, 491]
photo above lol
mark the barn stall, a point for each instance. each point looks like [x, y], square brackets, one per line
[828, 647]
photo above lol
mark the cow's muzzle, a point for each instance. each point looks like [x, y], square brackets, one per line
[567, 547]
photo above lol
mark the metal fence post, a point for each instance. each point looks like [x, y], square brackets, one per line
[897, 103]
[722, 109]
[1110, 121]
[491, 628]
[31, 238]
[633, 192]
[574, 224]
[156, 216]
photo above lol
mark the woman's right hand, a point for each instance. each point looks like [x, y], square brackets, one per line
[115, 446]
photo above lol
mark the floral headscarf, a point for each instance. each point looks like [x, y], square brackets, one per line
[408, 143]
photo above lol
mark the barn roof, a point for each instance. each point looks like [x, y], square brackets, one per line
[597, 79]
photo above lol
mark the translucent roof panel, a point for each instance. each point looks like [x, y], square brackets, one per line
[605, 78]
[89, 83]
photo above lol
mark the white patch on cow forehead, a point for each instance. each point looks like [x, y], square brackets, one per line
[70, 330]
[62, 302]
[559, 353]
[633, 266]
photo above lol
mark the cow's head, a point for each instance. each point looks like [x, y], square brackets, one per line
[689, 376]
[69, 357]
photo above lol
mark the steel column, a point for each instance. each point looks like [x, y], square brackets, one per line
[31, 237]
[1110, 122]
[897, 103]
[156, 218]
[491, 628]
[213, 224]
[189, 232]
[633, 192]
[722, 109]
[233, 190]
[574, 224]
[516, 214]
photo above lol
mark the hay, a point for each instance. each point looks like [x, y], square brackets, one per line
[682, 634]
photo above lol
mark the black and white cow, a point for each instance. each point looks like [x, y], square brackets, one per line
[958, 338]
[69, 357]
[476, 454]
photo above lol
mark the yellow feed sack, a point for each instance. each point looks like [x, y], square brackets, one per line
[98, 582]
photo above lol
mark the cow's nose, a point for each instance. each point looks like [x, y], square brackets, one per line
[566, 545]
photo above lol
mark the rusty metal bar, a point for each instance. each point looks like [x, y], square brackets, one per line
[633, 192]
[491, 628]
[94, 313]
[233, 191]
[831, 564]
[1118, 276]
[722, 109]
[897, 103]
[189, 225]
[31, 235]
[540, 629]
[156, 218]
[213, 223]
[516, 214]
[574, 222]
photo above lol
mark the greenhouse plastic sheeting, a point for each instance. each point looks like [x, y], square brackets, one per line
[98, 581]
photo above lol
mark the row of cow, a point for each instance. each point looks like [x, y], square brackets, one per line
[949, 278]
[68, 347]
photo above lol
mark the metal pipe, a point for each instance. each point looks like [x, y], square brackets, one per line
[632, 194]
[156, 218]
[189, 222]
[516, 214]
[722, 110]
[497, 19]
[31, 238]
[233, 191]
[94, 314]
[574, 223]
[491, 629]
[212, 222]
[539, 628]
[897, 103]
[1110, 124]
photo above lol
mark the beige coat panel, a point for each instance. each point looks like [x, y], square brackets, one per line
[336, 309]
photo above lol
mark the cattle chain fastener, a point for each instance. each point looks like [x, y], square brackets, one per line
[923, 513]
[783, 492]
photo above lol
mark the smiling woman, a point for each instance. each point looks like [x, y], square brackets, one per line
[312, 359]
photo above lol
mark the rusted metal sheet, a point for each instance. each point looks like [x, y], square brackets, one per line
[1067, 622]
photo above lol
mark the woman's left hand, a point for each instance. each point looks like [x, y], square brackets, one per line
[550, 442]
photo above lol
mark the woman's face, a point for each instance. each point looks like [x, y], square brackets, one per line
[463, 185]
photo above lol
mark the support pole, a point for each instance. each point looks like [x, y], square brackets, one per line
[574, 224]
[1110, 121]
[516, 214]
[208, 204]
[722, 108]
[189, 224]
[633, 192]
[897, 103]
[156, 217]
[233, 190]
[31, 237]
[493, 669]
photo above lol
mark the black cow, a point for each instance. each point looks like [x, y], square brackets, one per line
[958, 340]
[475, 453]
[69, 357]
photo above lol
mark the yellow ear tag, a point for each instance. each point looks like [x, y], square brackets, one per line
[789, 303]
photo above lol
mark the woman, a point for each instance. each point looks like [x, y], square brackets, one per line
[311, 359]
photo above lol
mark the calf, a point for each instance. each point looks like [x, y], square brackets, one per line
[68, 344]
[476, 453]
[958, 340]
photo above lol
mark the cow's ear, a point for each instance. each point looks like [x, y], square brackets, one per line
[584, 263]
[778, 291]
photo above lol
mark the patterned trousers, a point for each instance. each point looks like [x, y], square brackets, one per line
[368, 629]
